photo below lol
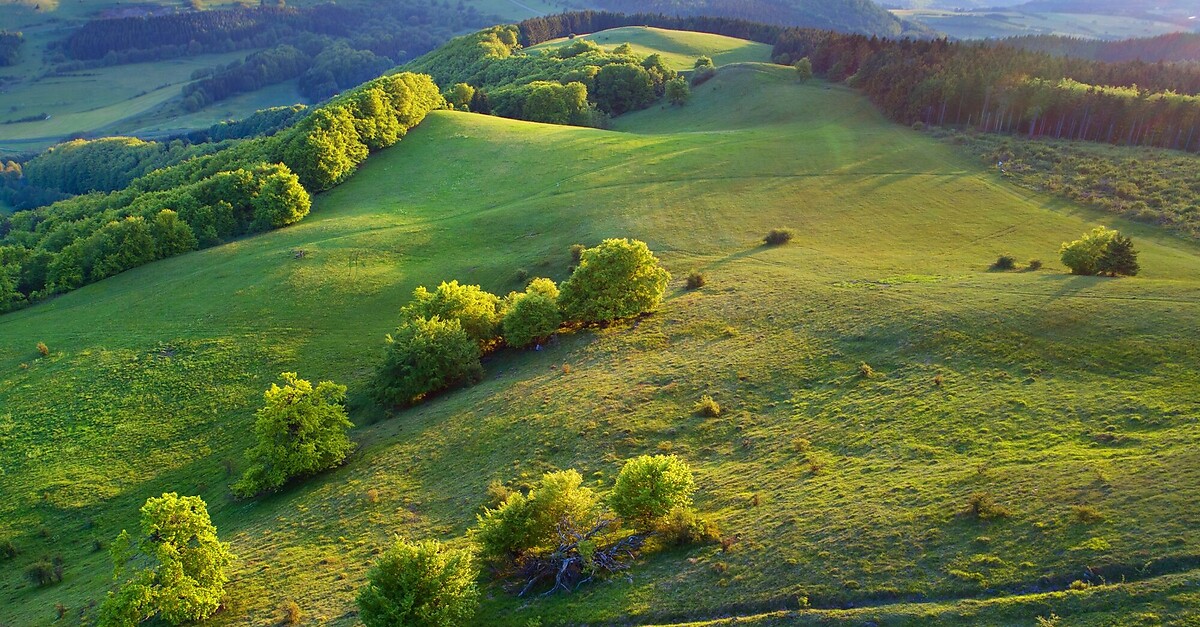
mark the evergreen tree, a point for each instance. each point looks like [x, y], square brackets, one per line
[1119, 258]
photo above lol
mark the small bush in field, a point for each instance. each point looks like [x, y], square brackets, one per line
[778, 237]
[696, 280]
[45, 572]
[423, 584]
[707, 407]
[8, 549]
[291, 613]
[983, 506]
[683, 526]
[649, 487]
[577, 253]
[1004, 262]
[43, 349]
[1087, 514]
[866, 371]
[1035, 265]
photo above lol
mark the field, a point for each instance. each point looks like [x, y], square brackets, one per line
[678, 48]
[1069, 400]
[987, 24]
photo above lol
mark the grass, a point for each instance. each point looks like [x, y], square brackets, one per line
[1054, 392]
[678, 48]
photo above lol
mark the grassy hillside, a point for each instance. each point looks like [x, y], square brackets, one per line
[1047, 391]
[678, 48]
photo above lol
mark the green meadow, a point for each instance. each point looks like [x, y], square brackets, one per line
[1070, 401]
[679, 49]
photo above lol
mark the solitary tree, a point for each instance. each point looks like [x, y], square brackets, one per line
[1082, 256]
[619, 278]
[185, 578]
[423, 584]
[301, 431]
[804, 70]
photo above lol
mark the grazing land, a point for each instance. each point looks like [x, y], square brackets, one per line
[902, 430]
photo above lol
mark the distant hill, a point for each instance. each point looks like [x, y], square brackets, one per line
[853, 16]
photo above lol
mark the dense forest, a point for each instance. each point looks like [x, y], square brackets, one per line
[10, 47]
[1172, 47]
[250, 186]
[852, 16]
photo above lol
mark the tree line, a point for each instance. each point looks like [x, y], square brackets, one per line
[249, 186]
[10, 47]
[1172, 47]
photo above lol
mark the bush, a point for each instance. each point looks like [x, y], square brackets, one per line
[1119, 258]
[982, 506]
[186, 578]
[422, 584]
[300, 431]
[532, 316]
[619, 278]
[678, 92]
[649, 487]
[804, 70]
[1035, 265]
[1082, 256]
[290, 612]
[8, 549]
[425, 356]
[866, 371]
[683, 526]
[706, 406]
[528, 524]
[45, 572]
[778, 237]
[42, 349]
[696, 280]
[1004, 262]
[476, 310]
[577, 253]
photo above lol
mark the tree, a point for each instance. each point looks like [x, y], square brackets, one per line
[476, 310]
[423, 356]
[649, 487]
[531, 523]
[619, 278]
[678, 92]
[532, 316]
[423, 584]
[1119, 258]
[171, 235]
[300, 430]
[804, 70]
[281, 199]
[622, 87]
[460, 96]
[1082, 256]
[186, 577]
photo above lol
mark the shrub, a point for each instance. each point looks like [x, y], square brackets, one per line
[528, 524]
[1087, 514]
[778, 237]
[300, 430]
[476, 310]
[425, 356]
[695, 280]
[866, 371]
[683, 526]
[918, 126]
[533, 316]
[649, 487]
[577, 253]
[1119, 258]
[1082, 256]
[43, 349]
[619, 278]
[678, 92]
[804, 70]
[290, 612]
[8, 549]
[1004, 262]
[1035, 265]
[706, 406]
[422, 584]
[982, 506]
[44, 572]
[186, 576]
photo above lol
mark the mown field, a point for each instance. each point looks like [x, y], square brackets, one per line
[1071, 401]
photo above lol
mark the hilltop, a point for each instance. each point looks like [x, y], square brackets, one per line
[1068, 400]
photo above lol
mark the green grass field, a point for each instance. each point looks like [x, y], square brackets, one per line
[678, 48]
[987, 24]
[1056, 392]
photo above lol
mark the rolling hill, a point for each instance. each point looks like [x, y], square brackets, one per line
[1068, 400]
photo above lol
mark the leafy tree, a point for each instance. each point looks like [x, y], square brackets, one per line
[1082, 256]
[1119, 258]
[804, 70]
[172, 236]
[622, 87]
[300, 430]
[325, 148]
[120, 246]
[423, 584]
[619, 278]
[532, 316]
[649, 487]
[476, 310]
[530, 523]
[678, 92]
[423, 356]
[281, 200]
[186, 576]
[702, 62]
[460, 96]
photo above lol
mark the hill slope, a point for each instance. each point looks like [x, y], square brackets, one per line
[1052, 391]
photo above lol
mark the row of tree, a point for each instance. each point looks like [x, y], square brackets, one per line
[252, 185]
[103, 165]
[998, 88]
